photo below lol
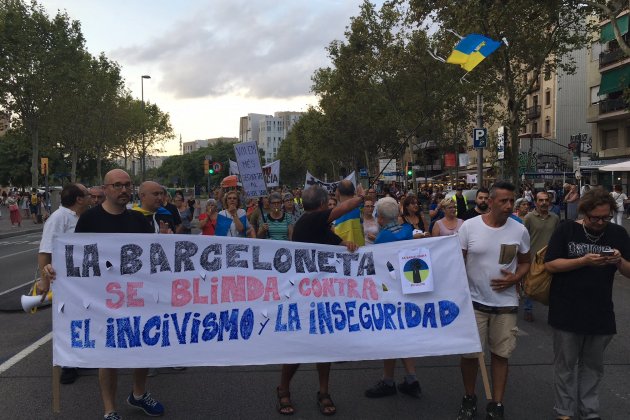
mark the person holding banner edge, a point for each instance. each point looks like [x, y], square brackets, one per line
[393, 231]
[314, 227]
[114, 217]
[496, 254]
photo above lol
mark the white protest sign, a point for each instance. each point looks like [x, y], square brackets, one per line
[249, 168]
[129, 300]
[415, 270]
[331, 187]
[271, 173]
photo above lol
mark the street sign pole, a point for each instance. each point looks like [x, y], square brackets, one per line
[479, 150]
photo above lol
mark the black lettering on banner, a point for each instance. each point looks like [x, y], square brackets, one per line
[130, 259]
[157, 257]
[259, 265]
[215, 264]
[90, 259]
[183, 251]
[71, 270]
[282, 261]
[322, 262]
[232, 255]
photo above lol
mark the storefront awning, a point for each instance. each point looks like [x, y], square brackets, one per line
[607, 33]
[614, 80]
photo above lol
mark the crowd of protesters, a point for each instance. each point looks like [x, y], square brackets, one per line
[499, 236]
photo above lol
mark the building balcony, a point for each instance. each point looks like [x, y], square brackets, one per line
[533, 112]
[612, 105]
[607, 58]
[535, 87]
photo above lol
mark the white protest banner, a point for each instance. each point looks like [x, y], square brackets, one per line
[271, 173]
[330, 186]
[128, 300]
[249, 168]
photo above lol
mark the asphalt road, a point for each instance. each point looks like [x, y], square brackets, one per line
[248, 392]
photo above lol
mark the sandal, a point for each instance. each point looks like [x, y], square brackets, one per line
[284, 405]
[326, 404]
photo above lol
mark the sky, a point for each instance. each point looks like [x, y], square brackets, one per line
[213, 61]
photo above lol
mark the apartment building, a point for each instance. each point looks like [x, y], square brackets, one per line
[607, 111]
[273, 130]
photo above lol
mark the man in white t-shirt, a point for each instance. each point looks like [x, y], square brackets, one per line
[496, 250]
[74, 201]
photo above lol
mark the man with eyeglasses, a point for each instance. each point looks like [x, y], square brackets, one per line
[113, 217]
[583, 257]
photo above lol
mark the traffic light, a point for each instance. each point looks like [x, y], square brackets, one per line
[211, 171]
[409, 169]
[206, 166]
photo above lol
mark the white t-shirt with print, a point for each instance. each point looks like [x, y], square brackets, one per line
[485, 247]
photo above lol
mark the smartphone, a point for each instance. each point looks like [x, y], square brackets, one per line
[607, 253]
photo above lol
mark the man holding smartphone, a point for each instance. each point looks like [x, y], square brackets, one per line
[584, 257]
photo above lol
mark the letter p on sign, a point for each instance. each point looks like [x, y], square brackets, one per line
[480, 136]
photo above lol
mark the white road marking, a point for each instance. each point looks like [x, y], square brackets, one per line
[18, 253]
[24, 353]
[17, 287]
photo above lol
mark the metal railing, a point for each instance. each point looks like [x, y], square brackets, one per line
[611, 105]
[533, 112]
[610, 57]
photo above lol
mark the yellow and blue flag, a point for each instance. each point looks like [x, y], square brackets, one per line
[472, 50]
[349, 228]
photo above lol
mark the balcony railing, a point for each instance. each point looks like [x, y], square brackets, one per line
[533, 112]
[611, 105]
[610, 57]
[536, 86]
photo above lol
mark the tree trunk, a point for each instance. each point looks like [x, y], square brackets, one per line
[73, 158]
[35, 157]
[99, 165]
[514, 147]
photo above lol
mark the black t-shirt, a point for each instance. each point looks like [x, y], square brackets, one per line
[313, 227]
[97, 220]
[469, 214]
[177, 219]
[580, 300]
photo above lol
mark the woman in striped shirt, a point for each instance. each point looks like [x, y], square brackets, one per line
[277, 224]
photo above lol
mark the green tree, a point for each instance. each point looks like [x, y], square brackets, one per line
[33, 53]
[540, 36]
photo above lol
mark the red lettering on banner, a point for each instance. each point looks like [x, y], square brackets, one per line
[115, 289]
[132, 294]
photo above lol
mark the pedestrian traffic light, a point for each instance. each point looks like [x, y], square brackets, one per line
[206, 166]
[409, 169]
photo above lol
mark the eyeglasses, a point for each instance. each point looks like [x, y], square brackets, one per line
[276, 202]
[595, 219]
[120, 186]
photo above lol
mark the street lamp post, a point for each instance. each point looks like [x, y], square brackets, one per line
[143, 157]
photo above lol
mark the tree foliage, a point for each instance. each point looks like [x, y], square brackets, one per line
[71, 105]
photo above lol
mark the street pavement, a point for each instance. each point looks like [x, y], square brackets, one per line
[248, 392]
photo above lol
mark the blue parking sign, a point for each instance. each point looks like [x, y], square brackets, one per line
[480, 138]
